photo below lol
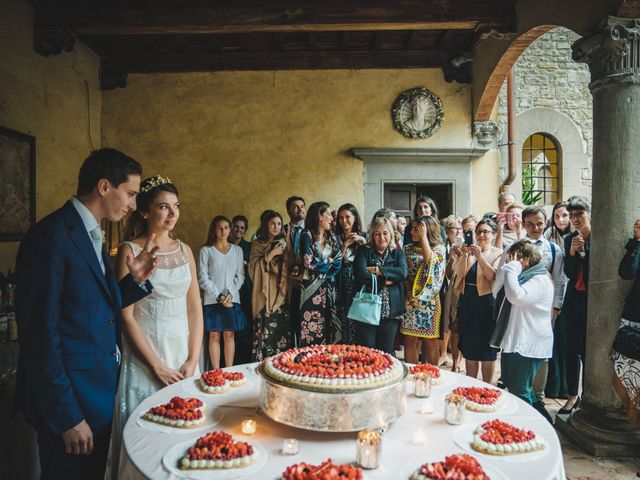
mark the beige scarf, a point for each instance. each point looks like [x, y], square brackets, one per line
[269, 278]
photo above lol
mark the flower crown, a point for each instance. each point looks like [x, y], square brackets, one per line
[153, 182]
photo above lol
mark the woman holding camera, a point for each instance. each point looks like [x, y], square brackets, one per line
[267, 269]
[380, 257]
[475, 268]
[525, 296]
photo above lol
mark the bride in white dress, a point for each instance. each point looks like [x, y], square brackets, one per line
[162, 332]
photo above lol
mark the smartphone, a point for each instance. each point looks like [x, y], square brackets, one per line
[468, 237]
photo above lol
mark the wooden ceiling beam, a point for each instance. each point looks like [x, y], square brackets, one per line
[90, 17]
[185, 62]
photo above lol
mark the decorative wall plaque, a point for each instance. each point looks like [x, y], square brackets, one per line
[417, 113]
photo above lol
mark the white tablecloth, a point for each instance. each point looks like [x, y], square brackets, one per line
[145, 448]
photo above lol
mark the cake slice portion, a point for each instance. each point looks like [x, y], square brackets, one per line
[178, 413]
[218, 450]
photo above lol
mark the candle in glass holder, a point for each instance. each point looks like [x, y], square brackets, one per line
[290, 446]
[368, 449]
[422, 382]
[426, 407]
[454, 408]
[419, 437]
[249, 427]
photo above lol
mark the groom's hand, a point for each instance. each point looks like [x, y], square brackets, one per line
[79, 439]
[143, 266]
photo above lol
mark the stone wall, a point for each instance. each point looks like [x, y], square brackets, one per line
[546, 76]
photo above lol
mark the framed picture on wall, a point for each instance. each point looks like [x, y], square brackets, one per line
[17, 183]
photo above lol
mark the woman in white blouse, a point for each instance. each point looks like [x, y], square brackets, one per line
[524, 294]
[221, 274]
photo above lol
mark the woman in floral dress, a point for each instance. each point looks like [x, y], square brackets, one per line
[426, 261]
[319, 322]
[268, 272]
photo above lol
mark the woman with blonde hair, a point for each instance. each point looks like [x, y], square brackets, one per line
[379, 257]
[426, 260]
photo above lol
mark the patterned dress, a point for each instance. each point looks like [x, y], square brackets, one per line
[319, 321]
[345, 295]
[423, 315]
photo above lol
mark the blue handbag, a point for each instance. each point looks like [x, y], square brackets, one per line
[367, 307]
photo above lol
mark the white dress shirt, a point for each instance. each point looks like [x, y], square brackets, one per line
[219, 271]
[529, 331]
[93, 228]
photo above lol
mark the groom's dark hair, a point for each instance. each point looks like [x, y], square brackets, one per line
[107, 163]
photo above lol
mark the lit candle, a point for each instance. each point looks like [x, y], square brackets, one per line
[249, 427]
[423, 384]
[426, 407]
[290, 446]
[368, 447]
[419, 437]
[454, 408]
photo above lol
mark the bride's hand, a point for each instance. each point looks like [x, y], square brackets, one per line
[188, 368]
[167, 375]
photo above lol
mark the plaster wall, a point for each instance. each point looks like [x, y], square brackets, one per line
[56, 99]
[242, 142]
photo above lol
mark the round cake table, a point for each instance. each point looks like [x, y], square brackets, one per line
[146, 446]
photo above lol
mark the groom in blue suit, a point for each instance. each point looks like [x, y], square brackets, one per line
[68, 304]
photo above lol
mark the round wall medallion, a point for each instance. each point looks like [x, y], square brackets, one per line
[417, 113]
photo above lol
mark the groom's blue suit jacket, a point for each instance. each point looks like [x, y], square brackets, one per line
[68, 315]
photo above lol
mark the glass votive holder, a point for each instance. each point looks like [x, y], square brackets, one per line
[290, 446]
[427, 407]
[368, 449]
[422, 382]
[419, 437]
[454, 408]
[249, 427]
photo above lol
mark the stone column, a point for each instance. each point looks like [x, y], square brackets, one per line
[613, 56]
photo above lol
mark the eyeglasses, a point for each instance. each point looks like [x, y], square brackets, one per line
[577, 214]
[483, 232]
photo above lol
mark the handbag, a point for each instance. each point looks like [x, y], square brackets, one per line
[367, 307]
[627, 342]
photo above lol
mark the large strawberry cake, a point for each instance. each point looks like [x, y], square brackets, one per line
[454, 467]
[334, 367]
[327, 470]
[501, 438]
[218, 450]
[481, 399]
[178, 412]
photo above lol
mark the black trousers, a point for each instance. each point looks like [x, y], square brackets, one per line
[380, 337]
[576, 317]
[56, 463]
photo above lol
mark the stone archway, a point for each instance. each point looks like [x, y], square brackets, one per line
[568, 137]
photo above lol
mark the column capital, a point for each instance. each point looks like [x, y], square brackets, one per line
[611, 52]
[487, 134]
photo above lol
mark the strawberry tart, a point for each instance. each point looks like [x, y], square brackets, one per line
[481, 399]
[179, 413]
[218, 450]
[436, 377]
[219, 381]
[501, 438]
[327, 470]
[334, 368]
[454, 467]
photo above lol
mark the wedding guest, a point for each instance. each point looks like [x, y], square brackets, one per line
[535, 219]
[504, 200]
[163, 331]
[560, 225]
[292, 231]
[626, 347]
[453, 295]
[425, 207]
[510, 228]
[393, 219]
[268, 270]
[475, 270]
[380, 257]
[319, 322]
[244, 337]
[576, 268]
[350, 235]
[524, 293]
[68, 305]
[221, 274]
[426, 261]
[453, 228]
[402, 226]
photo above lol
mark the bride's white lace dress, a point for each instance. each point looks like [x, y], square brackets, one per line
[162, 316]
